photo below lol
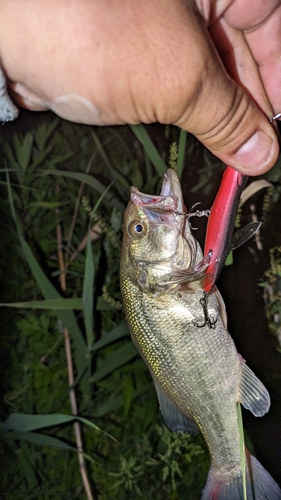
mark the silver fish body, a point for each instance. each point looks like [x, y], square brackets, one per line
[182, 336]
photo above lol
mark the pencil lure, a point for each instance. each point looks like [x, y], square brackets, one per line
[219, 239]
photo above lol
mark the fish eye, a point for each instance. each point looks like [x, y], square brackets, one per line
[137, 228]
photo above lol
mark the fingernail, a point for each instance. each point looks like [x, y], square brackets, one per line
[256, 153]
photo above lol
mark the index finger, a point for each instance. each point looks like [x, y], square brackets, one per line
[261, 27]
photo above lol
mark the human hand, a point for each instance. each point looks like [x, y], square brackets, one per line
[132, 61]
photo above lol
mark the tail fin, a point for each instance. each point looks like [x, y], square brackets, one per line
[260, 485]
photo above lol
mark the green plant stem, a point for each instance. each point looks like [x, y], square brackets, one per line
[74, 410]
[72, 395]
[181, 152]
[76, 208]
[242, 450]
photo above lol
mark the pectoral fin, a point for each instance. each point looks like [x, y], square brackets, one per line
[252, 393]
[174, 418]
[178, 276]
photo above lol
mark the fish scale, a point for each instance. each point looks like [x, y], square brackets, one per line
[198, 375]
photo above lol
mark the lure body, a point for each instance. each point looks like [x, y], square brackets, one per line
[221, 223]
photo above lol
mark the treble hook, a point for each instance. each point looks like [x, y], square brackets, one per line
[198, 213]
[207, 319]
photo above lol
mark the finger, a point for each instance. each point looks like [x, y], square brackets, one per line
[245, 16]
[25, 98]
[239, 62]
[226, 119]
[268, 55]
[261, 29]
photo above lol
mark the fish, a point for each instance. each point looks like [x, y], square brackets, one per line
[181, 334]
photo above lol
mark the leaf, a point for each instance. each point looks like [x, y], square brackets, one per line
[44, 132]
[273, 175]
[23, 149]
[48, 205]
[88, 295]
[44, 440]
[90, 181]
[252, 189]
[42, 156]
[122, 185]
[114, 360]
[128, 391]
[142, 135]
[25, 422]
[229, 259]
[181, 152]
[116, 401]
[49, 291]
[67, 318]
[26, 467]
[39, 439]
[97, 204]
[108, 406]
[114, 334]
[54, 304]
[103, 305]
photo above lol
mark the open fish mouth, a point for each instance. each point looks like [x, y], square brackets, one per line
[170, 200]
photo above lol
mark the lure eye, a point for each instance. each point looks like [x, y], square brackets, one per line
[137, 228]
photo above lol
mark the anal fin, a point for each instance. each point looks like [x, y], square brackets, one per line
[174, 418]
[252, 393]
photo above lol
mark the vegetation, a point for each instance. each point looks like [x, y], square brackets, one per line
[72, 377]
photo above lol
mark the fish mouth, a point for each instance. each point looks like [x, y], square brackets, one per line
[170, 200]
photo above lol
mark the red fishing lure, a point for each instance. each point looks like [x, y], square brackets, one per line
[221, 223]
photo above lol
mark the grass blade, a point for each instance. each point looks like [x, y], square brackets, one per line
[44, 440]
[242, 450]
[54, 304]
[90, 181]
[67, 318]
[149, 148]
[25, 464]
[114, 360]
[181, 152]
[24, 422]
[88, 295]
[116, 333]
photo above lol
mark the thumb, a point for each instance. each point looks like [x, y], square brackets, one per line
[221, 114]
